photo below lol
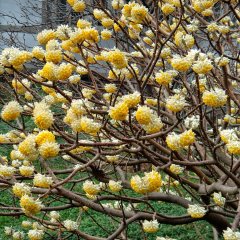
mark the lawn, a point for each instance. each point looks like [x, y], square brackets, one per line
[200, 230]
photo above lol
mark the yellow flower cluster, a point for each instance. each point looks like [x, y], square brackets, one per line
[120, 111]
[150, 226]
[110, 88]
[138, 13]
[177, 141]
[115, 186]
[117, 59]
[176, 169]
[26, 171]
[6, 171]
[71, 2]
[54, 56]
[135, 12]
[91, 188]
[132, 100]
[144, 115]
[229, 234]
[106, 34]
[35, 234]
[222, 61]
[49, 149]
[148, 40]
[214, 98]
[21, 189]
[64, 71]
[45, 36]
[42, 115]
[117, 4]
[81, 23]
[202, 84]
[26, 224]
[107, 22]
[42, 181]
[29, 205]
[21, 86]
[43, 137]
[181, 64]
[151, 182]
[164, 78]
[86, 34]
[53, 72]
[134, 30]
[78, 122]
[228, 135]
[89, 126]
[203, 6]
[48, 71]
[167, 8]
[187, 138]
[14, 57]
[16, 155]
[176, 103]
[38, 53]
[63, 32]
[151, 102]
[202, 66]
[154, 126]
[233, 147]
[126, 11]
[4, 138]
[219, 199]
[173, 141]
[74, 114]
[88, 93]
[11, 111]
[74, 79]
[53, 45]
[79, 6]
[184, 40]
[28, 147]
[149, 120]
[196, 211]
[99, 14]
[45, 141]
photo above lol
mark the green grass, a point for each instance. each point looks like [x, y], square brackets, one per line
[200, 230]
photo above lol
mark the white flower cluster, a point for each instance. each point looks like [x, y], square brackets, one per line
[219, 199]
[6, 171]
[192, 122]
[12, 56]
[63, 32]
[229, 234]
[35, 234]
[196, 211]
[70, 225]
[150, 226]
[228, 135]
[118, 205]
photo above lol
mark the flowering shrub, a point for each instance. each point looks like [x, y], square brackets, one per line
[154, 117]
